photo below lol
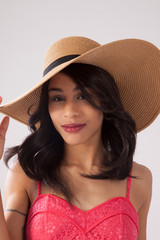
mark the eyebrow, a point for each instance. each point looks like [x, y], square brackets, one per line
[61, 90]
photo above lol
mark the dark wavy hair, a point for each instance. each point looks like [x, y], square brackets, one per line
[41, 153]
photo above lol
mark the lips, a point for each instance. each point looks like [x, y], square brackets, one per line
[73, 125]
[72, 128]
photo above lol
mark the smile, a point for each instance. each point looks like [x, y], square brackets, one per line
[72, 128]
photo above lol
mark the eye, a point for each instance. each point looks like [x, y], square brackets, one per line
[57, 99]
[81, 97]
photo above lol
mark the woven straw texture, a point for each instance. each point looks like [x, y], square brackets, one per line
[134, 64]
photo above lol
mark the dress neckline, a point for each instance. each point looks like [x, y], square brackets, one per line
[52, 196]
[126, 198]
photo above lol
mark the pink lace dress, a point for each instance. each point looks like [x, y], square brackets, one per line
[51, 218]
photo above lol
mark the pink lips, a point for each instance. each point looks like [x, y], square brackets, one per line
[72, 128]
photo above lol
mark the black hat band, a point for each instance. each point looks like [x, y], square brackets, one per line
[59, 61]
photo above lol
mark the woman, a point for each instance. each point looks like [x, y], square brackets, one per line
[75, 176]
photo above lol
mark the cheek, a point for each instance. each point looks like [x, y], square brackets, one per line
[97, 116]
[95, 119]
[54, 115]
[100, 118]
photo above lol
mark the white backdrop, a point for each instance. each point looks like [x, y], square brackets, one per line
[28, 28]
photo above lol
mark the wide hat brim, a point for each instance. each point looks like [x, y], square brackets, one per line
[134, 64]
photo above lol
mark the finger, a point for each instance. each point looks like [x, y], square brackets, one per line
[0, 100]
[3, 128]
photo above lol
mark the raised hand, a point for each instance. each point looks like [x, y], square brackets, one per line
[3, 129]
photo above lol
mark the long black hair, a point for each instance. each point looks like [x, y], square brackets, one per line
[41, 153]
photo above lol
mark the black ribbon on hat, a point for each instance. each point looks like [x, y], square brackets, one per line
[58, 62]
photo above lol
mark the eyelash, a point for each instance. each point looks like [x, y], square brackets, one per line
[62, 99]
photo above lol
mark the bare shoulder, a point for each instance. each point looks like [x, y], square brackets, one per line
[17, 183]
[15, 172]
[141, 195]
[142, 172]
[141, 184]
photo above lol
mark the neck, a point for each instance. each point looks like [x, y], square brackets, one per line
[87, 157]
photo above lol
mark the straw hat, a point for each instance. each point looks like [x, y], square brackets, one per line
[134, 64]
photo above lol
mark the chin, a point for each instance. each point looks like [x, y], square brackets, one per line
[74, 141]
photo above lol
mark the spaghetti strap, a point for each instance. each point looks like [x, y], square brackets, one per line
[38, 188]
[129, 185]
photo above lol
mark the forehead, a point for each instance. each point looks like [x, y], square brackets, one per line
[61, 80]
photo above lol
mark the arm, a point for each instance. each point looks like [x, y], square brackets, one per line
[15, 197]
[16, 202]
[3, 227]
[143, 211]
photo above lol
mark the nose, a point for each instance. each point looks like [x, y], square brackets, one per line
[71, 110]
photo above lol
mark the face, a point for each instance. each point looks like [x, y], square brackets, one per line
[75, 119]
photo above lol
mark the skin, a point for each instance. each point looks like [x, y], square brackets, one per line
[83, 153]
[70, 107]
